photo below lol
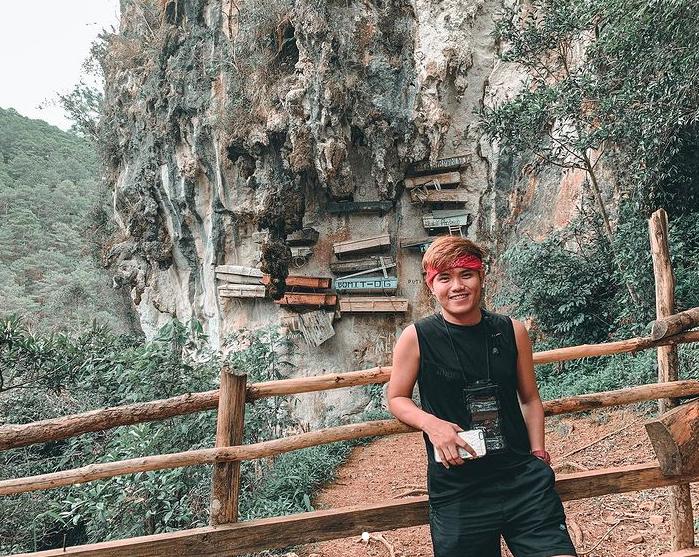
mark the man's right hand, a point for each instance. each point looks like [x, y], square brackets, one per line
[444, 438]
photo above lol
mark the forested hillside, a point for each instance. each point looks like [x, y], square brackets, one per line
[54, 216]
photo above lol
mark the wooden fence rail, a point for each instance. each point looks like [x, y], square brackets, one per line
[228, 540]
[19, 435]
[330, 435]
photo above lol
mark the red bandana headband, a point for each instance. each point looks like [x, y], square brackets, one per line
[464, 262]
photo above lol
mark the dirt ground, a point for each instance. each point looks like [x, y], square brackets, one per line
[631, 524]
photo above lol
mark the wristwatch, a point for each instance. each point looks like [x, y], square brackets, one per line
[541, 454]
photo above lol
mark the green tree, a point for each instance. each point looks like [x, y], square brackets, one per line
[605, 76]
[54, 216]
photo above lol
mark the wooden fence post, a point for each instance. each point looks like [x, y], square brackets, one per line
[680, 500]
[225, 481]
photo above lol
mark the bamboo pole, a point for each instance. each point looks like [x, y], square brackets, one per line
[680, 499]
[230, 426]
[320, 437]
[55, 429]
[229, 540]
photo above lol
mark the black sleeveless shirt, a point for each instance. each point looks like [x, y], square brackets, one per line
[441, 383]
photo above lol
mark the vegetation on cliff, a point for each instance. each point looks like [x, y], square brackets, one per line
[609, 83]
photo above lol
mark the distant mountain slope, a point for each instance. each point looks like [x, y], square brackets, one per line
[52, 214]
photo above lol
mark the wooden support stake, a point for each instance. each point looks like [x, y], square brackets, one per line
[680, 500]
[225, 481]
[664, 296]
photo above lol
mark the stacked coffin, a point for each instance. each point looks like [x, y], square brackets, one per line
[368, 274]
[237, 281]
[304, 291]
[439, 184]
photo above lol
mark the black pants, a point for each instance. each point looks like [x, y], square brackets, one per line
[522, 507]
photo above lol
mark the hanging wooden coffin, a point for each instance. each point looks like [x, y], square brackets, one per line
[445, 219]
[455, 195]
[372, 284]
[359, 207]
[373, 304]
[239, 270]
[440, 165]
[364, 264]
[304, 237]
[295, 281]
[308, 299]
[238, 274]
[446, 178]
[367, 244]
[230, 290]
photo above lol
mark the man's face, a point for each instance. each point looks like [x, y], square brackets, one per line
[458, 290]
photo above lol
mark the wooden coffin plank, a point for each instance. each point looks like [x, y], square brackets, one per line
[304, 237]
[367, 284]
[440, 165]
[365, 244]
[239, 270]
[359, 207]
[356, 265]
[435, 220]
[445, 178]
[456, 195]
[241, 291]
[307, 299]
[303, 282]
[373, 304]
[316, 326]
[238, 279]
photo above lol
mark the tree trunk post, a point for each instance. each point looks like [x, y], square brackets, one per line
[680, 500]
[225, 481]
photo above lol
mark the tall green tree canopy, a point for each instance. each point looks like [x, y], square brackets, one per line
[604, 74]
[51, 195]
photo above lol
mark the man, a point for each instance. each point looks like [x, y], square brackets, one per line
[455, 356]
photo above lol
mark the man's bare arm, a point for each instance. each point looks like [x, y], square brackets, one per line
[527, 390]
[406, 365]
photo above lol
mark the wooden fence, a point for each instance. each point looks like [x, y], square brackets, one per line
[226, 537]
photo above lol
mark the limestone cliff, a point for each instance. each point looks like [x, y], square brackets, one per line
[230, 124]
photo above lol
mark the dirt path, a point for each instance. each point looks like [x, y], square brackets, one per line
[633, 524]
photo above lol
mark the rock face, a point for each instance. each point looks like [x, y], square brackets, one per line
[230, 124]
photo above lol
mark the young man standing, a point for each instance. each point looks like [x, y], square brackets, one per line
[469, 362]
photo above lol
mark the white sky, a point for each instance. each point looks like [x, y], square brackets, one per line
[43, 44]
